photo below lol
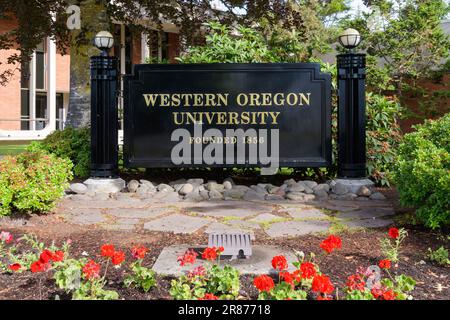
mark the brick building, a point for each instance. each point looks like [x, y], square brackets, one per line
[35, 100]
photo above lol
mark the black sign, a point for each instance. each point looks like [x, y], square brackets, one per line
[184, 115]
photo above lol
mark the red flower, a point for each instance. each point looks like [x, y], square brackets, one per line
[14, 266]
[264, 283]
[39, 266]
[279, 263]
[199, 271]
[389, 295]
[209, 296]
[58, 256]
[331, 243]
[307, 270]
[139, 252]
[287, 277]
[91, 270]
[107, 250]
[118, 257]
[322, 284]
[188, 257]
[379, 293]
[45, 256]
[393, 233]
[212, 253]
[385, 264]
[356, 282]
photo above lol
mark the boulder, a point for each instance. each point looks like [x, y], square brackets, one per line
[185, 189]
[322, 186]
[78, 188]
[227, 185]
[339, 189]
[298, 187]
[363, 191]
[377, 196]
[133, 185]
[212, 185]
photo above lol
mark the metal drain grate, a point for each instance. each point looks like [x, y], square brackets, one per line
[234, 244]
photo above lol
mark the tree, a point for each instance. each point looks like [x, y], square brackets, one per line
[404, 40]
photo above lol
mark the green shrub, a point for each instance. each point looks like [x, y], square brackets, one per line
[440, 256]
[422, 171]
[70, 143]
[383, 136]
[32, 181]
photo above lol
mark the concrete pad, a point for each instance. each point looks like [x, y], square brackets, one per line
[176, 223]
[367, 213]
[296, 228]
[368, 223]
[306, 213]
[259, 263]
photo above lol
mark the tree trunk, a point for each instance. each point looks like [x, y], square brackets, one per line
[93, 20]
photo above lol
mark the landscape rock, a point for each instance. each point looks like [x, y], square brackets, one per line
[290, 182]
[310, 184]
[339, 189]
[235, 193]
[212, 185]
[185, 189]
[164, 187]
[196, 181]
[377, 196]
[179, 181]
[320, 193]
[364, 191]
[78, 188]
[298, 187]
[251, 195]
[227, 185]
[147, 183]
[133, 185]
[215, 195]
[322, 186]
[273, 197]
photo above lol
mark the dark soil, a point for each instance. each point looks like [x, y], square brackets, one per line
[359, 249]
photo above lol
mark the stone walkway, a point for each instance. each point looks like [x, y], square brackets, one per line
[168, 213]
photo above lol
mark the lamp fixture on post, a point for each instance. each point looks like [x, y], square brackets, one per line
[351, 108]
[104, 41]
[104, 119]
[350, 38]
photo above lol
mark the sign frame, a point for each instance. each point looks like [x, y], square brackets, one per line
[315, 75]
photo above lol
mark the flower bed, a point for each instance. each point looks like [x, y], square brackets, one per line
[83, 278]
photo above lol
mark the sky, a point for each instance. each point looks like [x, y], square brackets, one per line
[356, 5]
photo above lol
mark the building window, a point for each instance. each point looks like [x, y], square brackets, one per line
[158, 44]
[40, 66]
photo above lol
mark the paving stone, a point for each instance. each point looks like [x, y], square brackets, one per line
[306, 213]
[265, 217]
[219, 208]
[139, 213]
[368, 223]
[128, 227]
[296, 228]
[106, 204]
[176, 223]
[243, 224]
[87, 218]
[367, 213]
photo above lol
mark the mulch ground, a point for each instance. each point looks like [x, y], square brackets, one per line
[359, 249]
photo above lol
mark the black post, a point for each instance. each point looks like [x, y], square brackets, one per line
[104, 117]
[351, 75]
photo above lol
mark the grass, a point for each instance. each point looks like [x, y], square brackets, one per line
[9, 148]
